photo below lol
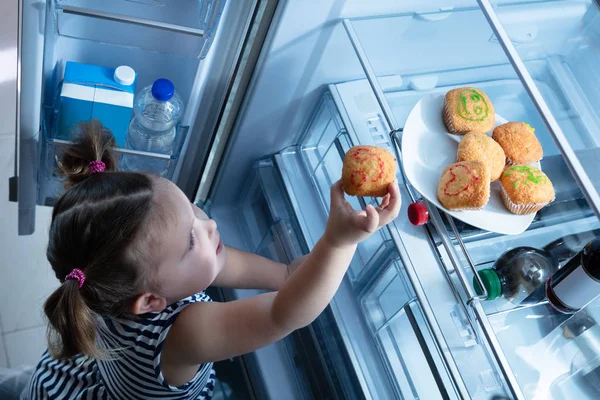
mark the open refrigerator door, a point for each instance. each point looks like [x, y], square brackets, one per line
[155, 38]
[411, 314]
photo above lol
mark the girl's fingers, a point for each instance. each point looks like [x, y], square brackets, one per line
[365, 220]
[384, 202]
[372, 219]
[393, 207]
[337, 194]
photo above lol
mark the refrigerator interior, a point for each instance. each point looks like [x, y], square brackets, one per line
[375, 319]
[413, 54]
[311, 362]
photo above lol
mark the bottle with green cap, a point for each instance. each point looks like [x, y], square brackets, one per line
[519, 275]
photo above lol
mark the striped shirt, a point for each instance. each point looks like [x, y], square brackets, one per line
[134, 373]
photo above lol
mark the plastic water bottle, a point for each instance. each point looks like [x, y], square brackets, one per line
[158, 108]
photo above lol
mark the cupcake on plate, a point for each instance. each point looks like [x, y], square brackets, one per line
[479, 146]
[519, 143]
[468, 109]
[465, 185]
[525, 189]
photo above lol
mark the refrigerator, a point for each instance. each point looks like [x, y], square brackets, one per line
[276, 91]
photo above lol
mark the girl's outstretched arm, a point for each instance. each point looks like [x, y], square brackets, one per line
[244, 270]
[206, 332]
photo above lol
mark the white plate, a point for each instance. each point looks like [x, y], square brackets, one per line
[428, 148]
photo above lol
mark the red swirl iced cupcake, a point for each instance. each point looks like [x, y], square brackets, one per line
[465, 185]
[368, 171]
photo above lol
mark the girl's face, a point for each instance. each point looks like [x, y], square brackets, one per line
[188, 247]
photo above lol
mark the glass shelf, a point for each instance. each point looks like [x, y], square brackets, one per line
[555, 41]
[147, 24]
[564, 35]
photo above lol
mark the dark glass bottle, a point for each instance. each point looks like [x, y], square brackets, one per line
[577, 283]
[518, 275]
[567, 247]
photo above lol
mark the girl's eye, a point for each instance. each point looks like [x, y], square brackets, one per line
[192, 240]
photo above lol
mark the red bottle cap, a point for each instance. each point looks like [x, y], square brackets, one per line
[417, 213]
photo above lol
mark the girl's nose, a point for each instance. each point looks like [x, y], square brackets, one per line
[211, 226]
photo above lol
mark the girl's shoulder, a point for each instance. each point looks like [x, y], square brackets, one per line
[177, 307]
[163, 318]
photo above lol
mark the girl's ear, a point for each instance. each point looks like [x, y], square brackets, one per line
[148, 302]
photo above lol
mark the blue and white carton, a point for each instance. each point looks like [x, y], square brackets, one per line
[92, 91]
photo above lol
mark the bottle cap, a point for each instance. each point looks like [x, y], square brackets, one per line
[417, 213]
[163, 89]
[491, 281]
[124, 75]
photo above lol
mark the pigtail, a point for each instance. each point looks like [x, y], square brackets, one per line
[94, 142]
[72, 328]
[97, 226]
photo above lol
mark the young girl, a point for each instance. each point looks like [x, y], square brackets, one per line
[130, 319]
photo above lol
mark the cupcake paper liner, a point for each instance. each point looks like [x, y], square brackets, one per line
[487, 200]
[447, 119]
[468, 208]
[521, 209]
[510, 162]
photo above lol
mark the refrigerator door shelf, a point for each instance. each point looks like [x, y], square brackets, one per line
[148, 24]
[324, 144]
[355, 337]
[265, 216]
[269, 228]
[402, 335]
[50, 182]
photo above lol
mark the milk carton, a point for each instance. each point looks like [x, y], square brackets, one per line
[92, 91]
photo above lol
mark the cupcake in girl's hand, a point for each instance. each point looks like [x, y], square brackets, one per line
[368, 171]
[468, 109]
[465, 185]
[525, 189]
[519, 143]
[479, 146]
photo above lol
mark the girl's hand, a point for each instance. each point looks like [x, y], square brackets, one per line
[347, 227]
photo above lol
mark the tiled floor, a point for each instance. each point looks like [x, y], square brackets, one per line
[25, 277]
[24, 348]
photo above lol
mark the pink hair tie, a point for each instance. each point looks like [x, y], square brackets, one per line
[96, 166]
[78, 275]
